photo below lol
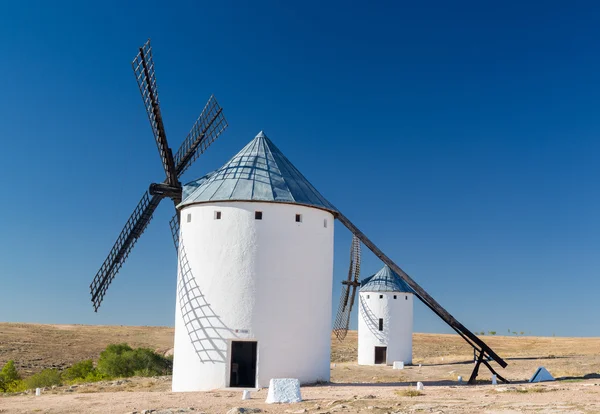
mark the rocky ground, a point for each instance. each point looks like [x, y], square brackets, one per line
[576, 361]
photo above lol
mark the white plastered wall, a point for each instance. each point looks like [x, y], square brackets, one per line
[397, 331]
[267, 280]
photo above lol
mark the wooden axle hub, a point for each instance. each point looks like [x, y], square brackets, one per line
[165, 190]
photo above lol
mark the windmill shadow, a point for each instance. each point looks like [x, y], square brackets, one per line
[204, 327]
[371, 319]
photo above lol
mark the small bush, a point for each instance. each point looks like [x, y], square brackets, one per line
[45, 378]
[9, 372]
[10, 379]
[120, 360]
[409, 393]
[79, 370]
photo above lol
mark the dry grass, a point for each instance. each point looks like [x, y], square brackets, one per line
[34, 347]
[409, 393]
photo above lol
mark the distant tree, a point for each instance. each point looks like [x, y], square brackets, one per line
[522, 333]
[492, 332]
[9, 372]
[10, 379]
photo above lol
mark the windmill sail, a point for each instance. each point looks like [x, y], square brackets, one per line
[348, 294]
[209, 125]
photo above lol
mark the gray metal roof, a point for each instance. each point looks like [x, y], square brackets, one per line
[384, 281]
[259, 172]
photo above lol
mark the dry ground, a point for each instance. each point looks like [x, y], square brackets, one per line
[353, 388]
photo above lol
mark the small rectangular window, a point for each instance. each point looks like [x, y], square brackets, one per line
[395, 297]
[298, 218]
[258, 215]
[217, 215]
[406, 297]
[380, 296]
[189, 218]
[380, 324]
[325, 223]
[368, 296]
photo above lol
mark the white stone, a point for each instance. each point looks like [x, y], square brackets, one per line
[248, 272]
[398, 364]
[397, 334]
[245, 395]
[459, 379]
[420, 386]
[284, 390]
[494, 380]
[38, 392]
[541, 375]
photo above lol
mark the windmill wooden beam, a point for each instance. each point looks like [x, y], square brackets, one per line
[431, 303]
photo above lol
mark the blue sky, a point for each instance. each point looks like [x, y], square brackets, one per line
[462, 138]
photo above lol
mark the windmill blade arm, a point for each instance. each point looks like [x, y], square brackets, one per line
[421, 293]
[342, 318]
[134, 227]
[174, 223]
[207, 128]
[145, 76]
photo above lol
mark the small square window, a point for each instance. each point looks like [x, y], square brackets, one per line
[298, 218]
[380, 296]
[325, 223]
[217, 215]
[258, 215]
[395, 297]
[189, 218]
[368, 296]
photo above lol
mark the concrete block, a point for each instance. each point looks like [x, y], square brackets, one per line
[398, 364]
[284, 390]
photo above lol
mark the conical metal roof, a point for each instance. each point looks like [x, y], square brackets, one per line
[384, 281]
[259, 172]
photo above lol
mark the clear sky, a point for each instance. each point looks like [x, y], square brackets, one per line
[461, 137]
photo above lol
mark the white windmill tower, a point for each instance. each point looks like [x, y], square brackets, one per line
[255, 261]
[385, 319]
[256, 239]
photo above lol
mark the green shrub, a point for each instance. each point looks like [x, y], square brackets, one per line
[9, 372]
[45, 378]
[120, 360]
[79, 370]
[16, 386]
[9, 377]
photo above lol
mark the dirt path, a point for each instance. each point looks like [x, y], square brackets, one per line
[580, 397]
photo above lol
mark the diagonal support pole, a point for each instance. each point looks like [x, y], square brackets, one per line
[476, 369]
[466, 334]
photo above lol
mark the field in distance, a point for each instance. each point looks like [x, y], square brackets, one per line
[34, 347]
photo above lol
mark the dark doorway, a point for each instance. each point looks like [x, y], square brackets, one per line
[380, 354]
[243, 364]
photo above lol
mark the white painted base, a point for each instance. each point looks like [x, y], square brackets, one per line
[284, 390]
[398, 365]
